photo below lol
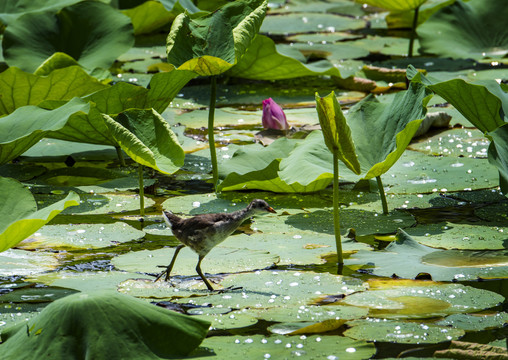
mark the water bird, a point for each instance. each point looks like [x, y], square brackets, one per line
[203, 232]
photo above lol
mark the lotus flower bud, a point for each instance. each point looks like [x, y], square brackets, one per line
[273, 116]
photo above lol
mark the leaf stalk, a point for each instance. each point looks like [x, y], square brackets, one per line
[141, 191]
[382, 194]
[336, 219]
[211, 139]
[413, 33]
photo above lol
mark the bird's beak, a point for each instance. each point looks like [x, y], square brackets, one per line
[270, 209]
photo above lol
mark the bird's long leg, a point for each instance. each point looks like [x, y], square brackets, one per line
[171, 264]
[198, 269]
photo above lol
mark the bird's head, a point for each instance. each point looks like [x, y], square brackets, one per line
[259, 205]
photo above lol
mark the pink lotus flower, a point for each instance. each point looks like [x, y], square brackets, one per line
[273, 116]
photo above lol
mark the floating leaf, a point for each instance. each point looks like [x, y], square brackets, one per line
[26, 263]
[82, 236]
[395, 5]
[406, 258]
[380, 330]
[81, 317]
[282, 347]
[91, 32]
[417, 299]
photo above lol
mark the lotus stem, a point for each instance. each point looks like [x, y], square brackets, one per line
[382, 194]
[336, 219]
[211, 140]
[413, 33]
[120, 155]
[141, 191]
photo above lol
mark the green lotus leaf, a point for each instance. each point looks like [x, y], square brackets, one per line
[19, 217]
[262, 62]
[148, 17]
[475, 28]
[309, 313]
[82, 236]
[238, 260]
[285, 347]
[104, 324]
[295, 23]
[401, 332]
[26, 263]
[148, 139]
[309, 161]
[10, 10]
[213, 43]
[459, 142]
[478, 236]
[483, 105]
[269, 289]
[222, 318]
[382, 131]
[58, 60]
[404, 19]
[257, 167]
[20, 88]
[29, 124]
[395, 5]
[406, 258]
[336, 131]
[421, 299]
[91, 32]
[498, 154]
[475, 322]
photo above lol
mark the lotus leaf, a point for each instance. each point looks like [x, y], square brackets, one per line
[149, 16]
[478, 236]
[83, 236]
[474, 322]
[20, 88]
[406, 258]
[86, 322]
[268, 289]
[474, 27]
[28, 124]
[310, 313]
[91, 32]
[404, 19]
[148, 139]
[417, 299]
[282, 347]
[10, 10]
[498, 154]
[20, 217]
[222, 319]
[395, 5]
[262, 62]
[58, 60]
[454, 142]
[308, 22]
[238, 260]
[381, 132]
[218, 39]
[257, 168]
[85, 281]
[381, 330]
[26, 263]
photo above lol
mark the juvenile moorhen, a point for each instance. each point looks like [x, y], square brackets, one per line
[203, 232]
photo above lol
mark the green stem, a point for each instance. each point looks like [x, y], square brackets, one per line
[120, 155]
[141, 191]
[382, 194]
[211, 140]
[336, 220]
[413, 33]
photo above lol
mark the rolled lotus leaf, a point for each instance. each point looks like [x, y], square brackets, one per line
[103, 325]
